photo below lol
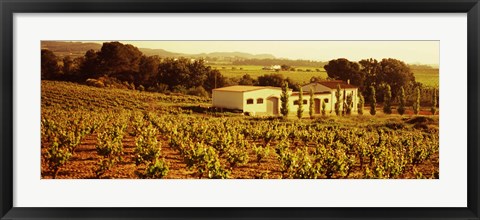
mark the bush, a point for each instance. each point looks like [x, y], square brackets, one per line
[198, 91]
[159, 87]
[157, 170]
[96, 83]
[179, 89]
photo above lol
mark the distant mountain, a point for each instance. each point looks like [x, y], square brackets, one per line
[160, 52]
[75, 49]
[235, 54]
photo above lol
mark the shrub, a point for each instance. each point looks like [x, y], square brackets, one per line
[96, 83]
[179, 89]
[198, 91]
[156, 170]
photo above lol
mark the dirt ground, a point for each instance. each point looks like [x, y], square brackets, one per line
[83, 165]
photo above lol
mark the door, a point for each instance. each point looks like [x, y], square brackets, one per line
[317, 106]
[272, 106]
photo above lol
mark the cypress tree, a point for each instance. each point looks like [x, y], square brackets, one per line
[387, 100]
[310, 106]
[349, 104]
[416, 103]
[345, 104]
[373, 101]
[300, 104]
[324, 108]
[433, 110]
[361, 103]
[284, 100]
[401, 107]
[339, 101]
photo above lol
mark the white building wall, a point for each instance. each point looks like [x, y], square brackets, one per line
[238, 100]
[259, 108]
[353, 91]
[306, 107]
[227, 99]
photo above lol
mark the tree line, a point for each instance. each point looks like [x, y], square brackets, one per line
[347, 102]
[269, 62]
[392, 73]
[125, 66]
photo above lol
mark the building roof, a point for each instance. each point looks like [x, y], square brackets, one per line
[244, 88]
[332, 84]
[308, 93]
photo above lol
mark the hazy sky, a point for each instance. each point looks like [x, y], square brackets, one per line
[425, 52]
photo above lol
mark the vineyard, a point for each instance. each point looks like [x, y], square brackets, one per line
[94, 133]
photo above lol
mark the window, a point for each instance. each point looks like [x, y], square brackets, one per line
[305, 102]
[260, 101]
[249, 101]
[295, 102]
[325, 100]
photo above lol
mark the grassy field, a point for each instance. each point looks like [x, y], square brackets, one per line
[92, 132]
[428, 77]
[256, 71]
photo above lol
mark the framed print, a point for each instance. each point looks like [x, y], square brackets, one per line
[257, 110]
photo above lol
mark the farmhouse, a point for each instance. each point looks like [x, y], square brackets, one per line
[330, 87]
[265, 100]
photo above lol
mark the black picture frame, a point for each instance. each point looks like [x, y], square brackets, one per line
[9, 7]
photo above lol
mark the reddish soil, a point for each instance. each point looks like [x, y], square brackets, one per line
[83, 164]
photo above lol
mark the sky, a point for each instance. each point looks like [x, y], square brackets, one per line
[413, 52]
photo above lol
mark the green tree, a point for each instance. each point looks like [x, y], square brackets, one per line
[284, 109]
[343, 69]
[300, 104]
[338, 95]
[387, 108]
[90, 66]
[433, 110]
[49, 67]
[119, 60]
[361, 102]
[68, 66]
[285, 67]
[401, 107]
[416, 102]
[277, 80]
[148, 71]
[373, 101]
[247, 80]
[396, 74]
[310, 104]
